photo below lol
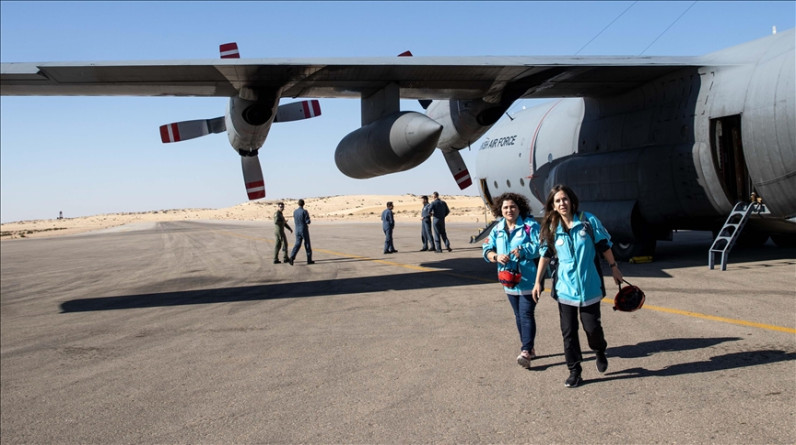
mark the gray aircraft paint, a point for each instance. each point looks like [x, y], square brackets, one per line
[647, 161]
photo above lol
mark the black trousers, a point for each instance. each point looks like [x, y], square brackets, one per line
[590, 317]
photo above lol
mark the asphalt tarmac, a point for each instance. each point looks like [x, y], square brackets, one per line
[186, 332]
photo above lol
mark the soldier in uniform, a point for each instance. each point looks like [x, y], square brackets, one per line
[439, 210]
[301, 219]
[280, 223]
[388, 224]
[425, 226]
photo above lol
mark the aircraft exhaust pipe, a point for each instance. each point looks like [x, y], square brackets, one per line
[395, 143]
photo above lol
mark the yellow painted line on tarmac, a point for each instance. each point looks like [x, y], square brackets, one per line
[606, 300]
[752, 324]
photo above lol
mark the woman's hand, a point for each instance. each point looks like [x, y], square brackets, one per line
[516, 253]
[617, 274]
[536, 293]
[504, 259]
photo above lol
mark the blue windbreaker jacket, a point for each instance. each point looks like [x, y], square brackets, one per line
[579, 283]
[528, 242]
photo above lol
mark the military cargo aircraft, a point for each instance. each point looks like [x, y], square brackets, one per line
[651, 152]
[650, 144]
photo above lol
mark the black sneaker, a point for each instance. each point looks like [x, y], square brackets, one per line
[291, 261]
[602, 361]
[574, 379]
[310, 262]
[277, 262]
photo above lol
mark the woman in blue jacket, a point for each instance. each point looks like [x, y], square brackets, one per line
[575, 239]
[514, 244]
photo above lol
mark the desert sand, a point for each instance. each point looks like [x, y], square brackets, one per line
[350, 208]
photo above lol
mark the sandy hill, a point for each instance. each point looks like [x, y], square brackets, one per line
[348, 208]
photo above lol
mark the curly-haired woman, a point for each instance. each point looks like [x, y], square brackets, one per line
[513, 244]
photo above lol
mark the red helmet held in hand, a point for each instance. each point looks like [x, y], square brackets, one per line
[629, 298]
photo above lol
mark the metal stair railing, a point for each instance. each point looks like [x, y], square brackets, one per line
[730, 232]
[483, 233]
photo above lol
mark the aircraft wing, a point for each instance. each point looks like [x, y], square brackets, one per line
[485, 77]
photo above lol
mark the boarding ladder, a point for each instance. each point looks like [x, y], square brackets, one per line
[731, 230]
[483, 233]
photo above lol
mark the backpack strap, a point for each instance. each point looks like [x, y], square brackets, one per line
[588, 227]
[590, 231]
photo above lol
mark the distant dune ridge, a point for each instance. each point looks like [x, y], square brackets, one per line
[347, 208]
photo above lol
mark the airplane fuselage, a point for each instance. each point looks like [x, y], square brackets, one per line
[676, 153]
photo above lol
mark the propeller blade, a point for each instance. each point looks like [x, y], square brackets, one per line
[458, 169]
[229, 51]
[297, 111]
[182, 131]
[253, 176]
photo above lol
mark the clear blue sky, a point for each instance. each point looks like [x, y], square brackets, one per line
[87, 156]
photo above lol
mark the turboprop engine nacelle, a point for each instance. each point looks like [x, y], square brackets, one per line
[248, 123]
[391, 144]
[463, 121]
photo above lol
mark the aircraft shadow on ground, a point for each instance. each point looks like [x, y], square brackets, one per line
[714, 363]
[339, 286]
[473, 266]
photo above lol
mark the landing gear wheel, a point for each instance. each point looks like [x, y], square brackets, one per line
[784, 239]
[624, 251]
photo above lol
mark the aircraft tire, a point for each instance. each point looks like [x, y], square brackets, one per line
[784, 239]
[624, 251]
